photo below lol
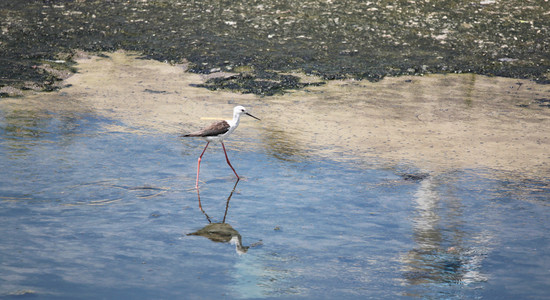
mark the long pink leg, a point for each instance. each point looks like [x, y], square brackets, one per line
[227, 158]
[199, 166]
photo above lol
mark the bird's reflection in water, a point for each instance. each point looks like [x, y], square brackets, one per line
[221, 232]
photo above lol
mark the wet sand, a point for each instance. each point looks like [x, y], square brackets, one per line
[436, 123]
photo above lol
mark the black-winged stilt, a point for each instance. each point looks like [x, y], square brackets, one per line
[216, 132]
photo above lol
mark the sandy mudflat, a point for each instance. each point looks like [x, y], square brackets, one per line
[436, 122]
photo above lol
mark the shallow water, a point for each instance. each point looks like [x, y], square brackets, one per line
[89, 211]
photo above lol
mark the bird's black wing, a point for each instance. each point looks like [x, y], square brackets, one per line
[214, 129]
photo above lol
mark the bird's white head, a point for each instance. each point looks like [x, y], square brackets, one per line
[239, 110]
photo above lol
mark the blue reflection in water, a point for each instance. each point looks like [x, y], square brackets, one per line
[88, 212]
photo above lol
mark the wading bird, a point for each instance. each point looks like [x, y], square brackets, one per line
[216, 132]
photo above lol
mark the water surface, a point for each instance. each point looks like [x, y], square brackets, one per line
[415, 187]
[88, 211]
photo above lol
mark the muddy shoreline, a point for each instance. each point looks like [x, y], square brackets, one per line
[438, 123]
[262, 41]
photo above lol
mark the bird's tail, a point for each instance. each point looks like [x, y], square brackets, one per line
[189, 135]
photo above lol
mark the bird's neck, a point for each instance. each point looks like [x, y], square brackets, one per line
[236, 119]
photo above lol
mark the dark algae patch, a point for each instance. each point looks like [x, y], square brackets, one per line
[264, 83]
[330, 39]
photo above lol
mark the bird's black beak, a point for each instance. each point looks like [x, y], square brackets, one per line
[253, 116]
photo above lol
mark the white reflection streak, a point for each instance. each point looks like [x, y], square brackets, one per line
[440, 258]
[426, 199]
